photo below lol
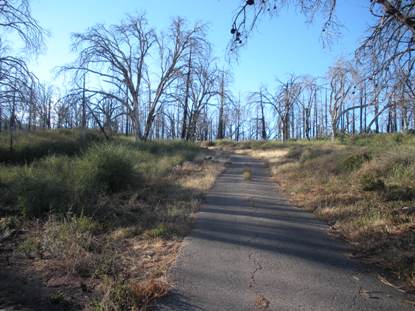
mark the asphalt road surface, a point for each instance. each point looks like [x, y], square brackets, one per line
[251, 250]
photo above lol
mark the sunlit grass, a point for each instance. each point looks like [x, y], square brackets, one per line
[363, 186]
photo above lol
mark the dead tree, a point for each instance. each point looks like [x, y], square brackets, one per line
[174, 53]
[283, 101]
[257, 99]
[16, 18]
[116, 57]
[308, 102]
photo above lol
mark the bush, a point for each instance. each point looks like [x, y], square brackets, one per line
[399, 138]
[295, 152]
[397, 193]
[119, 296]
[39, 192]
[30, 247]
[7, 191]
[57, 184]
[106, 168]
[354, 161]
[161, 231]
[369, 182]
[314, 153]
[307, 154]
[70, 239]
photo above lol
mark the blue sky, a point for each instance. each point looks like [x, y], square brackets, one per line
[279, 46]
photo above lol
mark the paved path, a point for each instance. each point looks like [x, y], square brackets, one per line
[251, 250]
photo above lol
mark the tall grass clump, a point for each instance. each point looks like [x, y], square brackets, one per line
[107, 168]
[351, 161]
[44, 187]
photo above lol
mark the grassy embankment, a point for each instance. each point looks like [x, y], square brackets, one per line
[364, 187]
[99, 222]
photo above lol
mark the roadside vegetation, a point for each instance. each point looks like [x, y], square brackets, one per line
[99, 221]
[363, 186]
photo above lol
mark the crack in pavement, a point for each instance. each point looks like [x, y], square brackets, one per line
[251, 250]
[258, 267]
[261, 302]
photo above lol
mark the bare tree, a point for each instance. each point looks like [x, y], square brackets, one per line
[174, 54]
[257, 98]
[15, 17]
[308, 102]
[250, 11]
[283, 101]
[390, 13]
[203, 89]
[116, 57]
[16, 82]
[343, 80]
[225, 97]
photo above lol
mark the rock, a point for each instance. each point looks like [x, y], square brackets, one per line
[57, 281]
[149, 253]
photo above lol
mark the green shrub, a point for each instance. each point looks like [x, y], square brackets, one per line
[354, 161]
[58, 298]
[122, 297]
[106, 168]
[402, 168]
[399, 193]
[295, 152]
[7, 191]
[399, 138]
[307, 154]
[39, 192]
[29, 247]
[370, 182]
[119, 297]
[161, 231]
[313, 153]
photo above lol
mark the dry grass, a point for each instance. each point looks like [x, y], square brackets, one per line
[198, 176]
[247, 173]
[261, 303]
[272, 156]
[364, 188]
[116, 258]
